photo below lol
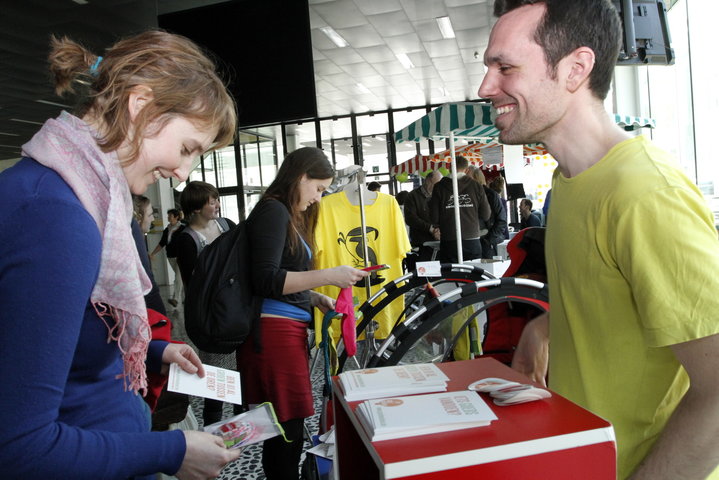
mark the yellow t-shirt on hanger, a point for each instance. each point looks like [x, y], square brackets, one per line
[338, 241]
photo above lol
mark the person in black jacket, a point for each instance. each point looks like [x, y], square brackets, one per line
[417, 217]
[497, 222]
[473, 208]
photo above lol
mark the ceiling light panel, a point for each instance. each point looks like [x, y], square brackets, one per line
[405, 61]
[334, 36]
[321, 42]
[362, 88]
[445, 27]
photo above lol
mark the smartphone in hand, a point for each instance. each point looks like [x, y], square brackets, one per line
[375, 268]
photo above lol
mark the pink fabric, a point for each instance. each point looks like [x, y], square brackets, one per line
[345, 306]
[68, 145]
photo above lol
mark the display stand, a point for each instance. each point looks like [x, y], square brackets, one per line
[552, 438]
[356, 186]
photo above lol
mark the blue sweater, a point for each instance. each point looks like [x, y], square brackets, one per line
[63, 412]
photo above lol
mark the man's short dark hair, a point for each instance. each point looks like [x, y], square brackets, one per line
[462, 162]
[528, 202]
[570, 24]
[174, 212]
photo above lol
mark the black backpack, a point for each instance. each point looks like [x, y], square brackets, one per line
[220, 308]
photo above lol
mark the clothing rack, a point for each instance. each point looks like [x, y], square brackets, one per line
[354, 177]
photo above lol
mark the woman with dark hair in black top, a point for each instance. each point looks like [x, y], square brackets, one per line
[281, 238]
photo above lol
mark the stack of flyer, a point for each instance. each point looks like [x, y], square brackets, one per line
[390, 381]
[398, 417]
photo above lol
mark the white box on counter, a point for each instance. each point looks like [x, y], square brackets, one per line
[495, 267]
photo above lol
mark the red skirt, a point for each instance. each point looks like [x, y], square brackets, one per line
[280, 373]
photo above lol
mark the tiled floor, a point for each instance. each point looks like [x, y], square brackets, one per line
[248, 467]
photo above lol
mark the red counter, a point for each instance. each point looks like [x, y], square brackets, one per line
[552, 438]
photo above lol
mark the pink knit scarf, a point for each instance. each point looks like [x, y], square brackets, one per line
[68, 146]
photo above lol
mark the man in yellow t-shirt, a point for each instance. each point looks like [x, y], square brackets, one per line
[632, 251]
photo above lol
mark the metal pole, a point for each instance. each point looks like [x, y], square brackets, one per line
[455, 190]
[369, 332]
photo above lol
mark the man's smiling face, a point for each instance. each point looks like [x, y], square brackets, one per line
[518, 82]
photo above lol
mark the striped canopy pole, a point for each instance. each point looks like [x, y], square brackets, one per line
[455, 190]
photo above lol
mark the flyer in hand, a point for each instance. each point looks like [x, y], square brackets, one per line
[253, 426]
[218, 383]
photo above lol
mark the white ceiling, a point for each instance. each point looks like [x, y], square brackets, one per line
[376, 30]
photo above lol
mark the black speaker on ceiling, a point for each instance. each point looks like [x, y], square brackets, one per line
[264, 49]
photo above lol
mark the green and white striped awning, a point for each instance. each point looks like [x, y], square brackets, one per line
[464, 119]
[476, 120]
[633, 123]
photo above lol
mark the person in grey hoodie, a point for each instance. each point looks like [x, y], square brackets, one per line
[473, 210]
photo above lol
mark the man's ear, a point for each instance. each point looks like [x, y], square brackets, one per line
[581, 64]
[140, 95]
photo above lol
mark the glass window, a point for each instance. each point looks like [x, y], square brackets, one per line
[376, 160]
[342, 152]
[407, 150]
[229, 207]
[373, 139]
[266, 147]
[683, 97]
[339, 130]
[226, 173]
[259, 155]
[196, 173]
[300, 135]
[251, 176]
